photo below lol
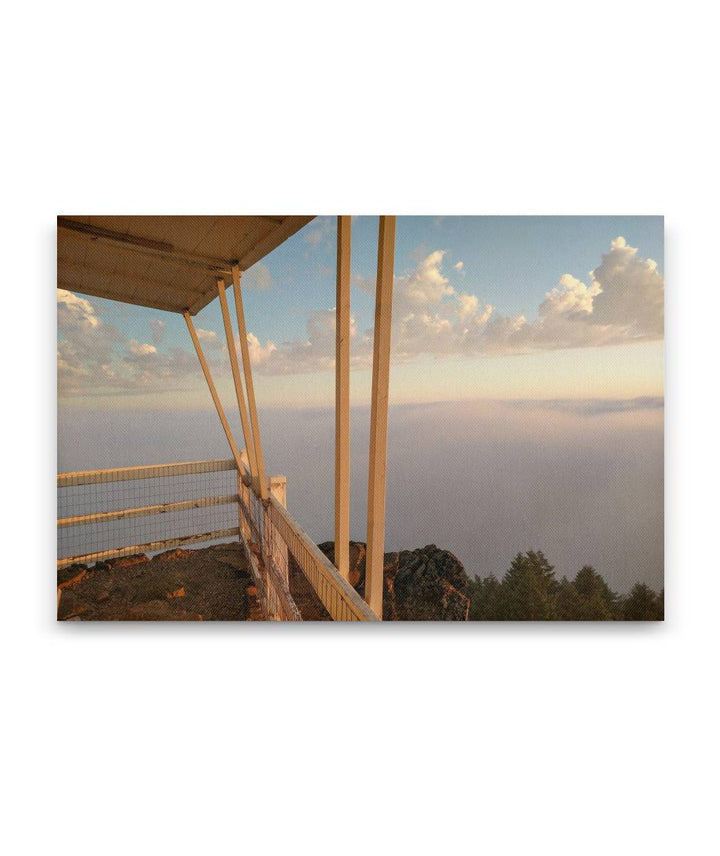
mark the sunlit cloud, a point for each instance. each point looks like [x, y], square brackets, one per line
[621, 302]
[92, 356]
[209, 338]
[141, 349]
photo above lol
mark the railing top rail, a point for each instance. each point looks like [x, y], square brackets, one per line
[353, 600]
[149, 471]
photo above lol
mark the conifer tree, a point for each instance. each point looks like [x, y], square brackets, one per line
[528, 589]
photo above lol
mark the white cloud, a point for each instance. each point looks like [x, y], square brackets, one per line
[570, 297]
[314, 353]
[258, 278]
[140, 349]
[93, 357]
[425, 286]
[84, 350]
[459, 266]
[75, 312]
[468, 306]
[209, 338]
[259, 354]
[622, 302]
[631, 292]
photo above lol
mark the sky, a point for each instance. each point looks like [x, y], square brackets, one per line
[484, 307]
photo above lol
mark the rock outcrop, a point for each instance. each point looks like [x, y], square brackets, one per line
[427, 584]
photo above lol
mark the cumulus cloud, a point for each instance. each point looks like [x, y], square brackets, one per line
[92, 356]
[426, 286]
[141, 349]
[621, 302]
[259, 354]
[315, 352]
[459, 266]
[75, 312]
[84, 350]
[209, 338]
[631, 292]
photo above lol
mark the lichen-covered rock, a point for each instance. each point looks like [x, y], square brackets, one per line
[427, 584]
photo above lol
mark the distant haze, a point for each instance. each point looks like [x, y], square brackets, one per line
[581, 480]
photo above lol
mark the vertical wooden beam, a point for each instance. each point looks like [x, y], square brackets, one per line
[342, 398]
[277, 485]
[213, 391]
[261, 481]
[379, 417]
[247, 433]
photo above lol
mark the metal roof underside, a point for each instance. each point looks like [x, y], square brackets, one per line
[164, 262]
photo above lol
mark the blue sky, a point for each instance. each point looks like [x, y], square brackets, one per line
[468, 299]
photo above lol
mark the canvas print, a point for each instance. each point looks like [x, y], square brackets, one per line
[373, 418]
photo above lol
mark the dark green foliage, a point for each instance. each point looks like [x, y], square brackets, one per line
[642, 604]
[598, 601]
[568, 602]
[485, 599]
[529, 591]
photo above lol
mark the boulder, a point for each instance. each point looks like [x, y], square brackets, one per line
[427, 584]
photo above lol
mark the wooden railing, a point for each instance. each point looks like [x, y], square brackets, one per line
[338, 597]
[271, 525]
[85, 491]
[269, 533]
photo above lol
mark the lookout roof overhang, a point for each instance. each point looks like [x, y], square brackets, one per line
[164, 262]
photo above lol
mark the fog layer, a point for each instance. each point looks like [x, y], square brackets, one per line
[580, 480]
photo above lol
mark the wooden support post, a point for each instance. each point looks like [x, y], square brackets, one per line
[260, 480]
[213, 391]
[277, 485]
[379, 417]
[247, 433]
[342, 398]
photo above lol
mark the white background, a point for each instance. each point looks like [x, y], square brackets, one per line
[423, 739]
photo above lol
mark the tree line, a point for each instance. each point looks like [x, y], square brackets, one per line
[530, 591]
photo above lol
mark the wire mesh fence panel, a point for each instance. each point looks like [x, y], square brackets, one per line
[111, 510]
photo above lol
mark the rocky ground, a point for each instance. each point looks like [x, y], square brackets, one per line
[426, 584]
[211, 584]
[215, 584]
